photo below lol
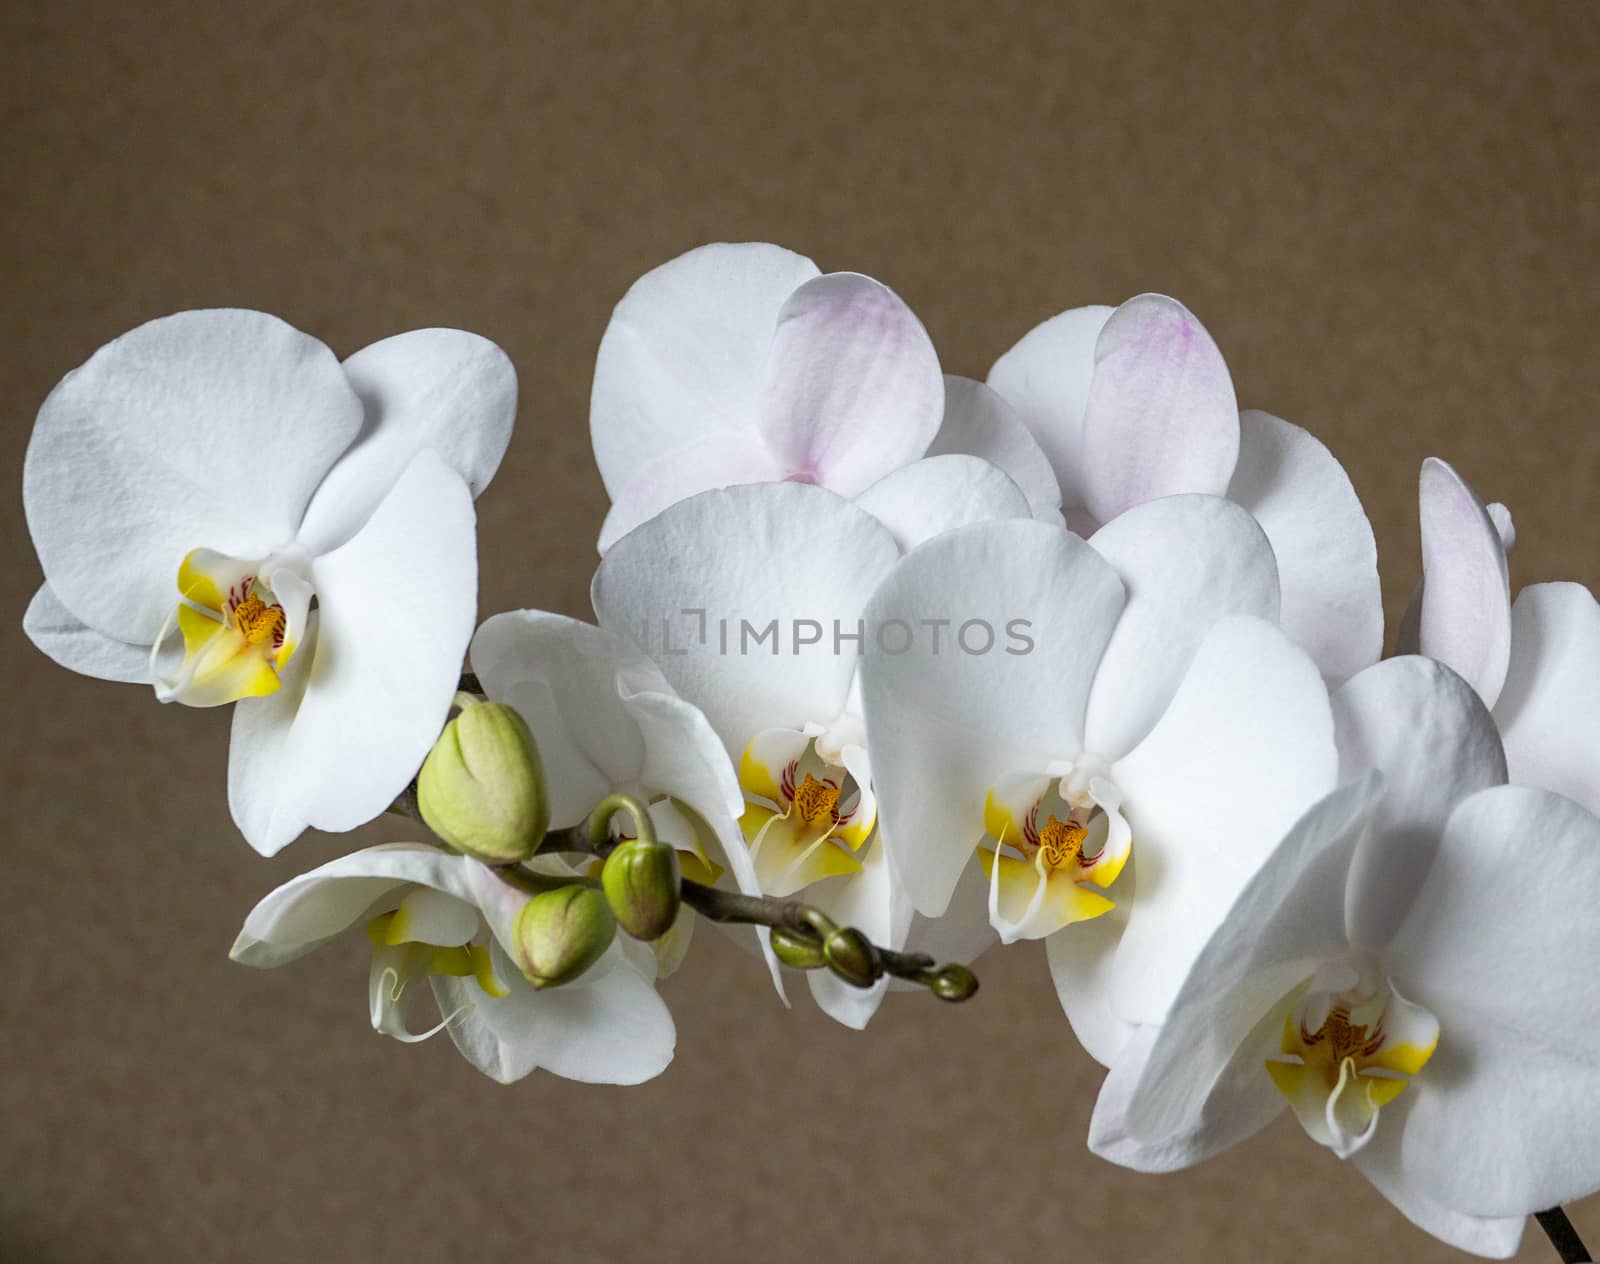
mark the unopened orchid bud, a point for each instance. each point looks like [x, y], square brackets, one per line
[796, 948]
[482, 790]
[561, 933]
[641, 884]
[953, 983]
[849, 955]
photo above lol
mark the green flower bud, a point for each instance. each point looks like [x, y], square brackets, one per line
[561, 933]
[481, 789]
[849, 955]
[796, 948]
[641, 886]
[953, 983]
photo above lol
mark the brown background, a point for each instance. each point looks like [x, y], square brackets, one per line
[1387, 215]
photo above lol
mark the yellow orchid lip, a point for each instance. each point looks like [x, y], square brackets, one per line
[1347, 1053]
[806, 818]
[238, 635]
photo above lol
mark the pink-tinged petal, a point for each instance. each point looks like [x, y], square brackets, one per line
[1549, 710]
[738, 595]
[1421, 726]
[1500, 945]
[1330, 600]
[979, 422]
[944, 724]
[685, 354]
[1245, 748]
[853, 387]
[444, 389]
[1186, 561]
[1046, 378]
[1465, 613]
[78, 647]
[720, 460]
[938, 494]
[1161, 416]
[1197, 1085]
[207, 429]
[1381, 1162]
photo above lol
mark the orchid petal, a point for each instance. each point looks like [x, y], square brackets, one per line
[1465, 613]
[207, 428]
[611, 1028]
[725, 459]
[853, 387]
[870, 902]
[938, 494]
[1423, 728]
[1549, 710]
[1161, 417]
[685, 353]
[945, 724]
[1381, 1162]
[443, 389]
[1046, 377]
[1500, 945]
[569, 680]
[778, 557]
[1244, 749]
[1331, 604]
[1187, 562]
[312, 908]
[395, 612]
[979, 422]
[76, 646]
[1196, 1085]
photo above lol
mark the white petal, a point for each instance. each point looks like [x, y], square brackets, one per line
[1501, 946]
[979, 422]
[1161, 417]
[1046, 378]
[1380, 1161]
[944, 724]
[264, 774]
[1331, 603]
[444, 389]
[1424, 729]
[591, 743]
[1080, 957]
[1465, 616]
[78, 647]
[207, 429]
[871, 902]
[853, 388]
[937, 494]
[796, 558]
[725, 459]
[1549, 710]
[1186, 561]
[396, 609]
[311, 909]
[685, 354]
[1244, 749]
[611, 1029]
[1197, 1085]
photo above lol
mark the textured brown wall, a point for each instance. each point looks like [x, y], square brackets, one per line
[1386, 214]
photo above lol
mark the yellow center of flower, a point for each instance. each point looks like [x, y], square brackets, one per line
[259, 623]
[1338, 1038]
[1061, 842]
[815, 799]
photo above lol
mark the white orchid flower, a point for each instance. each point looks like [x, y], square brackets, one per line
[1411, 972]
[751, 602]
[742, 363]
[1535, 663]
[1120, 772]
[306, 526]
[447, 921]
[606, 721]
[1135, 403]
